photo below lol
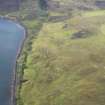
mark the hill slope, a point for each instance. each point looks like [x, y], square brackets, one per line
[65, 68]
[66, 62]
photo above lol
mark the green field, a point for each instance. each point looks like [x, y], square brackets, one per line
[66, 65]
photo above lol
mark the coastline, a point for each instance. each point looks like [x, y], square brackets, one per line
[14, 78]
[19, 19]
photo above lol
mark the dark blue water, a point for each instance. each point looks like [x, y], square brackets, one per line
[11, 37]
[100, 4]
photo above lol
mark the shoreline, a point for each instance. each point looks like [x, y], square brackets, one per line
[14, 78]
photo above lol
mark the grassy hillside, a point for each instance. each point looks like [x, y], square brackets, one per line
[63, 58]
[66, 65]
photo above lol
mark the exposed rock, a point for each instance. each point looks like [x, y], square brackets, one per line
[81, 34]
